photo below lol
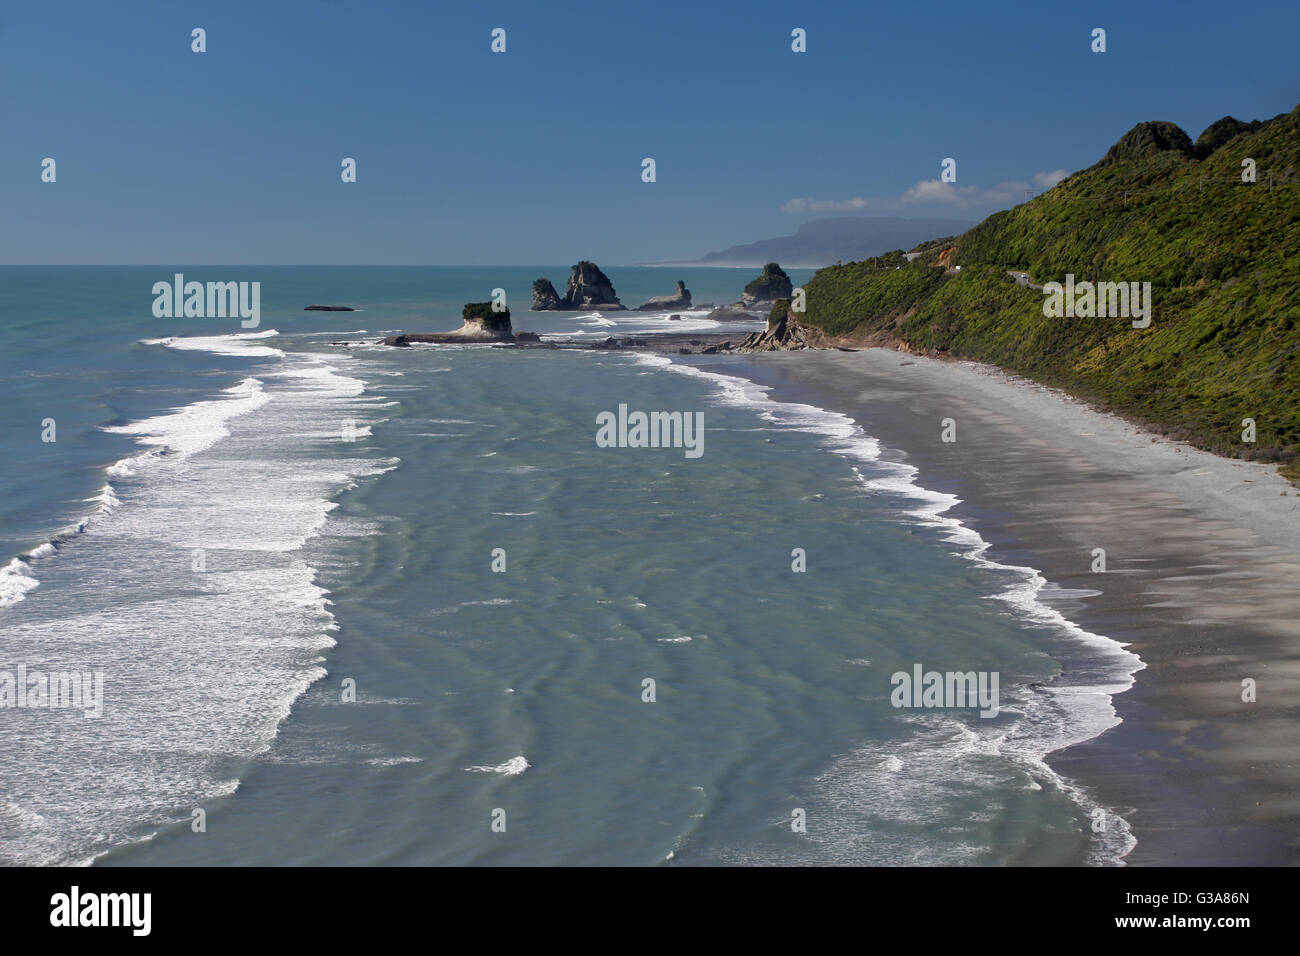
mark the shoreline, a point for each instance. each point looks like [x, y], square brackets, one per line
[1202, 553]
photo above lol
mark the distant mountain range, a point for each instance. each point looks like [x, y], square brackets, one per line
[823, 242]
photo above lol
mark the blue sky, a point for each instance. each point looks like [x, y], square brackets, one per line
[534, 155]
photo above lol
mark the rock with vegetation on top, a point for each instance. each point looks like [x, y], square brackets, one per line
[588, 288]
[1220, 132]
[771, 284]
[1146, 140]
[482, 324]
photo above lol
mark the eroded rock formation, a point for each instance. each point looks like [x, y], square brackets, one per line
[482, 324]
[681, 299]
[545, 298]
[588, 288]
[771, 284]
[783, 333]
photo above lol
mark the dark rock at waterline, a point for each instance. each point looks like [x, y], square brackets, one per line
[681, 299]
[736, 312]
[782, 334]
[482, 324]
[329, 308]
[545, 298]
[588, 288]
[629, 342]
[772, 284]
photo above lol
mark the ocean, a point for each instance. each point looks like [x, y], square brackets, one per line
[361, 605]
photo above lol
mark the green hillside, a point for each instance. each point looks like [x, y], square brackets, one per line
[1222, 257]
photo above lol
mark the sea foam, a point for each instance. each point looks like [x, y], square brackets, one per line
[1045, 718]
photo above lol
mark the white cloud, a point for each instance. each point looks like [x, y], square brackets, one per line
[933, 190]
[809, 204]
[936, 192]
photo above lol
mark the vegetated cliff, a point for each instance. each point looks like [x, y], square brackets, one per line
[1222, 257]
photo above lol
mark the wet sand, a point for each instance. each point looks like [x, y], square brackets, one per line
[1202, 581]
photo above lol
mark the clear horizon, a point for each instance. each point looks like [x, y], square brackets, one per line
[233, 155]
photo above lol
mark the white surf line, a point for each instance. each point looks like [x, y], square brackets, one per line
[170, 439]
[850, 441]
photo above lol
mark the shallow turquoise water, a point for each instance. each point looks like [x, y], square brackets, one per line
[348, 502]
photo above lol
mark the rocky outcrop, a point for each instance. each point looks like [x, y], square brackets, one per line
[482, 324]
[681, 299]
[783, 333]
[588, 288]
[545, 298]
[736, 312]
[1220, 132]
[758, 298]
[771, 284]
[1145, 140]
[628, 342]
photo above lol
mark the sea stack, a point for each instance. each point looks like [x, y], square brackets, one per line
[482, 324]
[545, 298]
[759, 296]
[771, 284]
[588, 288]
[681, 299]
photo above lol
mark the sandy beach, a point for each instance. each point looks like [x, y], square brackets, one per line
[1202, 581]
